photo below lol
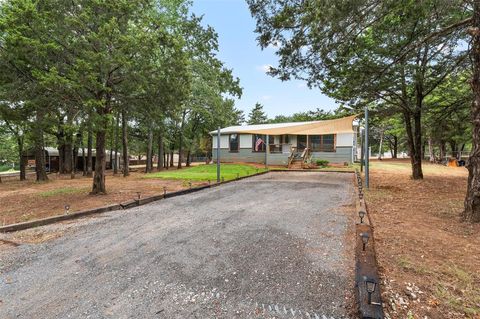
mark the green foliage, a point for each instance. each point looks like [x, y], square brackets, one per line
[257, 115]
[389, 55]
[317, 115]
[322, 163]
[66, 67]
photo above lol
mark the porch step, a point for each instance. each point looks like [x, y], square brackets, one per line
[296, 164]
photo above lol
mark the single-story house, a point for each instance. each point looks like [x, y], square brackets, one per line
[331, 140]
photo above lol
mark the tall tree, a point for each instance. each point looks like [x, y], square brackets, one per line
[472, 199]
[363, 52]
[257, 115]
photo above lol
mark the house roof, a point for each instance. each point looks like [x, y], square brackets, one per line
[341, 125]
[52, 151]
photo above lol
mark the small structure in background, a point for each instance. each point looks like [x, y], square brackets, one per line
[52, 159]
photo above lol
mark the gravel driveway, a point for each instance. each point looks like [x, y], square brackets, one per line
[277, 245]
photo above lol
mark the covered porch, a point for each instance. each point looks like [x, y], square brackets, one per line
[287, 143]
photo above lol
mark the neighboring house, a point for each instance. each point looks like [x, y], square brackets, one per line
[52, 159]
[332, 140]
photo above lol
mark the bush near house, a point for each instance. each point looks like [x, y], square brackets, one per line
[322, 163]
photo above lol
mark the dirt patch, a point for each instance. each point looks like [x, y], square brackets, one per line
[428, 258]
[28, 200]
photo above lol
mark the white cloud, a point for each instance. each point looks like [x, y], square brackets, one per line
[264, 68]
[266, 97]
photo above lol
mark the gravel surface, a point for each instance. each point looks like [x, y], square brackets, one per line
[273, 246]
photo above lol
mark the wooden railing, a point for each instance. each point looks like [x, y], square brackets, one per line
[293, 151]
[305, 156]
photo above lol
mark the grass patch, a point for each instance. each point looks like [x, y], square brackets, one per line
[459, 289]
[408, 265]
[61, 191]
[207, 172]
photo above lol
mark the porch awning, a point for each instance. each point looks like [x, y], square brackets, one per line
[342, 125]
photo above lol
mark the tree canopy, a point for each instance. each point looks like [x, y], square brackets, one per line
[69, 71]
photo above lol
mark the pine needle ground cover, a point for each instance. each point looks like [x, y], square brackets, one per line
[428, 258]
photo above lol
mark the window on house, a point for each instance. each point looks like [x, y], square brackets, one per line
[284, 139]
[258, 142]
[233, 142]
[328, 143]
[322, 143]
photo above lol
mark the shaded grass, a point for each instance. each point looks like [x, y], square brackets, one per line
[61, 191]
[208, 172]
[460, 289]
[454, 286]
[405, 166]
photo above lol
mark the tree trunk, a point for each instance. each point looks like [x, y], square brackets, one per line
[68, 154]
[417, 172]
[160, 152]
[89, 147]
[443, 150]
[171, 158]
[149, 163]
[99, 186]
[126, 160]
[430, 150]
[380, 147]
[165, 160]
[115, 159]
[453, 147]
[180, 141]
[61, 157]
[472, 199]
[413, 146]
[23, 175]
[395, 146]
[393, 143]
[188, 158]
[74, 162]
[84, 162]
[39, 150]
[112, 144]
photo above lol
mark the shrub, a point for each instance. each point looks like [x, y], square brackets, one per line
[322, 163]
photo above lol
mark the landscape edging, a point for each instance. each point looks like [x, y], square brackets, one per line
[366, 261]
[121, 206]
[58, 218]
[311, 170]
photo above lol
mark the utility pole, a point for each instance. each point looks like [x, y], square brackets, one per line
[218, 155]
[266, 151]
[367, 153]
[362, 150]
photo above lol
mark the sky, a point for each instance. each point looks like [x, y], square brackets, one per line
[239, 50]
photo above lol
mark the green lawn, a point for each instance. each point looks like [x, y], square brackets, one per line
[207, 172]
